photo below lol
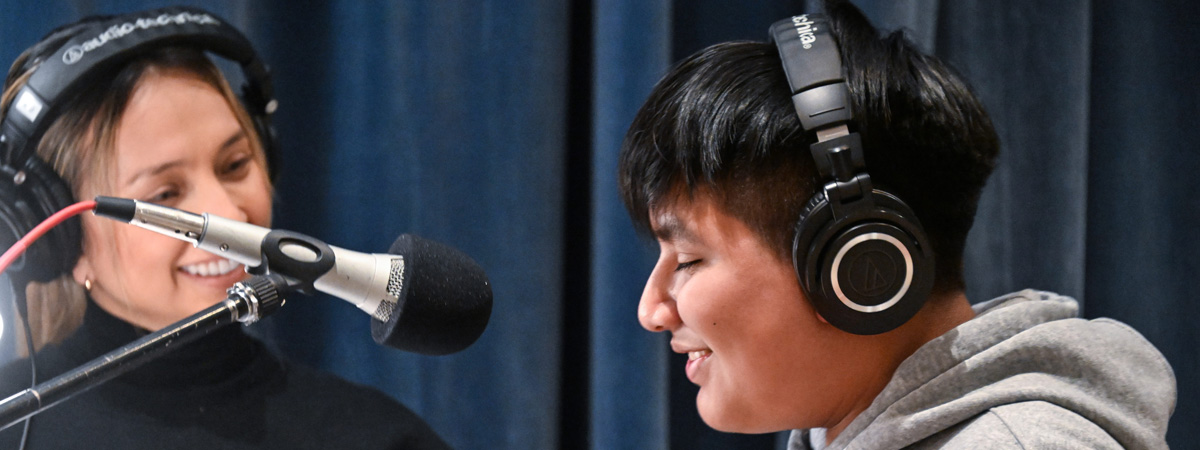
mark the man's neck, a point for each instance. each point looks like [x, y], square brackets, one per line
[940, 314]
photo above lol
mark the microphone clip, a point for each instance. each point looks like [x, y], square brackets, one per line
[300, 258]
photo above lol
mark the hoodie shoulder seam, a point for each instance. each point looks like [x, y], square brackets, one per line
[1159, 358]
[1011, 432]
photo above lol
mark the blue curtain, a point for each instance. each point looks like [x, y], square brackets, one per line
[629, 402]
[493, 126]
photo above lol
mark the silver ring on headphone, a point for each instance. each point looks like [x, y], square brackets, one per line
[908, 272]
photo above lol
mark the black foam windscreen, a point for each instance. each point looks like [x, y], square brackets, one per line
[445, 300]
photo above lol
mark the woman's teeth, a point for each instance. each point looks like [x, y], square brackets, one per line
[211, 269]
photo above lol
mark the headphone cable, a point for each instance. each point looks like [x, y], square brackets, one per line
[19, 295]
[18, 248]
[7, 259]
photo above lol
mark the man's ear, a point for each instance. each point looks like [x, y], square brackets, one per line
[814, 310]
[804, 299]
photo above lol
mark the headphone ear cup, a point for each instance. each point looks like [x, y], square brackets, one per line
[270, 144]
[41, 194]
[16, 218]
[260, 111]
[865, 273]
[814, 217]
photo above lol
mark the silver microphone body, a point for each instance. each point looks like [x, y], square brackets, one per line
[423, 296]
[370, 281]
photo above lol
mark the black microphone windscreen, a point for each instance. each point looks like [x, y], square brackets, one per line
[445, 300]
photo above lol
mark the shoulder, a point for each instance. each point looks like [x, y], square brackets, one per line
[319, 399]
[16, 375]
[337, 392]
[1024, 425]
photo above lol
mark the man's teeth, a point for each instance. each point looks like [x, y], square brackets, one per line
[692, 356]
[211, 269]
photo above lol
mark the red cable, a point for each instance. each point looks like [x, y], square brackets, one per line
[59, 217]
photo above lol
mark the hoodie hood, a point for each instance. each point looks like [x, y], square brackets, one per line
[1024, 347]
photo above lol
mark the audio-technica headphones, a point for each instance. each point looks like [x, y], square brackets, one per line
[65, 63]
[860, 253]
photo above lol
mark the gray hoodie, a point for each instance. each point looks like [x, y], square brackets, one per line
[1025, 373]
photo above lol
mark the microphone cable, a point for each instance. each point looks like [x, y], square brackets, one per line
[7, 259]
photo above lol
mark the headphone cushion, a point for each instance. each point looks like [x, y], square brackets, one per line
[42, 194]
[16, 216]
[815, 215]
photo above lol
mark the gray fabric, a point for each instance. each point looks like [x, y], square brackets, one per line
[1025, 373]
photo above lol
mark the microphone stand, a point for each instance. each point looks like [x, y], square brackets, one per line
[247, 302]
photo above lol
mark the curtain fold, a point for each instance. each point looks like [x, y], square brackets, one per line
[447, 121]
[632, 50]
[1144, 202]
[493, 126]
[1030, 227]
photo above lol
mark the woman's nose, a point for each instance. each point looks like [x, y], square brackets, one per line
[213, 197]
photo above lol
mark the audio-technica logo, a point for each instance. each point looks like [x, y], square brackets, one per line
[873, 272]
[805, 29]
[76, 52]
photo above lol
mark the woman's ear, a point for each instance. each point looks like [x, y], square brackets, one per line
[82, 273]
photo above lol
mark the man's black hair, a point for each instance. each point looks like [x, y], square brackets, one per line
[722, 121]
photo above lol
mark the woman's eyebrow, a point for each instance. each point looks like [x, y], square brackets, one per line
[153, 170]
[233, 139]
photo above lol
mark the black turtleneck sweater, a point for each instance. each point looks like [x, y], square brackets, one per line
[223, 391]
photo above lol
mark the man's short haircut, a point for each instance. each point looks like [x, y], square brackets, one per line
[722, 121]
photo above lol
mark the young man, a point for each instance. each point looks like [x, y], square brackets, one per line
[868, 342]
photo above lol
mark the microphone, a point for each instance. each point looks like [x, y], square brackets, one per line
[423, 296]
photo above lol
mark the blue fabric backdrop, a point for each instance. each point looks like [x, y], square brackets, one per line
[493, 126]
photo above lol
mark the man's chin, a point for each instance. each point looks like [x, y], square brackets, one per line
[716, 414]
[727, 418]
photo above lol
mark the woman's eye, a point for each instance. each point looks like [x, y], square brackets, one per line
[686, 265]
[164, 196]
[237, 165]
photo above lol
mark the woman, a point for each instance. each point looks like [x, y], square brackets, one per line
[165, 127]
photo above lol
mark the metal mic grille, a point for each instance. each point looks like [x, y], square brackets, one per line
[395, 286]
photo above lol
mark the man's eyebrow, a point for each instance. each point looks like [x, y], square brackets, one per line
[670, 229]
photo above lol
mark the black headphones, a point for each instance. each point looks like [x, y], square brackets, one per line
[860, 253]
[65, 63]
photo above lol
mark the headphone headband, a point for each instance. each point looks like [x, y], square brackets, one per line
[109, 43]
[817, 85]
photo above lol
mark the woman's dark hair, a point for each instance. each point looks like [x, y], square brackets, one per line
[722, 121]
